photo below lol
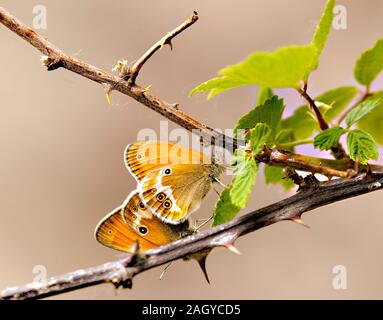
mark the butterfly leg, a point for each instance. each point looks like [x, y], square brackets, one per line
[165, 269]
[203, 223]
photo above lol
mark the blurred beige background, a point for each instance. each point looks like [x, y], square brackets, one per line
[61, 146]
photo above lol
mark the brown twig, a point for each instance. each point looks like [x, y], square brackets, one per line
[321, 121]
[338, 152]
[331, 168]
[122, 271]
[56, 59]
[167, 39]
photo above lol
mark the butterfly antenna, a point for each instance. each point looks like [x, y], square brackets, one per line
[203, 223]
[165, 269]
[220, 182]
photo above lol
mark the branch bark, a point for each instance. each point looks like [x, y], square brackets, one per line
[122, 271]
[167, 39]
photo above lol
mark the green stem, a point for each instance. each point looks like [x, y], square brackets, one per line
[294, 143]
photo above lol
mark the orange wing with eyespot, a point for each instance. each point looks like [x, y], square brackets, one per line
[121, 228]
[115, 233]
[146, 156]
[174, 192]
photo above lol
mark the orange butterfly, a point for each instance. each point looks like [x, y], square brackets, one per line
[132, 221]
[172, 180]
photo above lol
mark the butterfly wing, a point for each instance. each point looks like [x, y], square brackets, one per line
[148, 226]
[115, 233]
[146, 156]
[172, 193]
[134, 222]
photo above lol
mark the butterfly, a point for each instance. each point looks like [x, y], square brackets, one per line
[172, 179]
[133, 222]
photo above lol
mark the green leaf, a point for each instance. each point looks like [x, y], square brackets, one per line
[263, 95]
[283, 68]
[285, 136]
[235, 197]
[275, 175]
[216, 85]
[328, 138]
[224, 210]
[361, 110]
[361, 146]
[258, 137]
[369, 64]
[323, 29]
[302, 122]
[372, 122]
[269, 113]
[244, 178]
[338, 98]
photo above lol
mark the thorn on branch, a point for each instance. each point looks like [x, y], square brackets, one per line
[146, 89]
[233, 249]
[200, 257]
[298, 219]
[167, 39]
[108, 89]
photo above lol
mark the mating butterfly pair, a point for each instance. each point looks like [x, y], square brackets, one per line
[171, 183]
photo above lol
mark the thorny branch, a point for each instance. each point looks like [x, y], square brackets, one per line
[121, 272]
[55, 58]
[167, 39]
